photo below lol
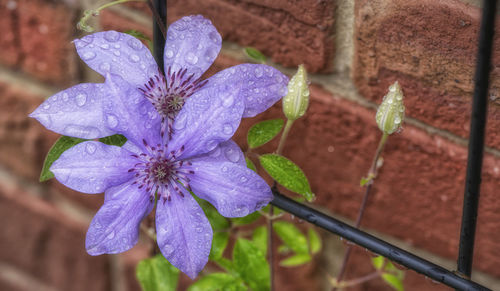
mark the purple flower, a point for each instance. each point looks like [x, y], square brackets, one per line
[137, 101]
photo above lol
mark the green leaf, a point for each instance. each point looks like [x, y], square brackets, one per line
[141, 36]
[250, 165]
[259, 239]
[263, 132]
[378, 262]
[287, 174]
[116, 140]
[393, 281]
[59, 147]
[291, 236]
[217, 221]
[252, 265]
[157, 274]
[218, 281]
[314, 241]
[219, 244]
[296, 260]
[246, 219]
[255, 55]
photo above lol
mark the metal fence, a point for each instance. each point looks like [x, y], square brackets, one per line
[458, 280]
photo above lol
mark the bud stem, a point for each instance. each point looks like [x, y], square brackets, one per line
[284, 135]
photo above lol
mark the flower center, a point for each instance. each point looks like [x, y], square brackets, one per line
[159, 172]
[169, 94]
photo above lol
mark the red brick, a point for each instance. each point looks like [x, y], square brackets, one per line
[45, 30]
[418, 194]
[9, 38]
[430, 47]
[46, 244]
[292, 34]
[23, 141]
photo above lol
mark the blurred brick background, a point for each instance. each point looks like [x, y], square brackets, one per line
[353, 49]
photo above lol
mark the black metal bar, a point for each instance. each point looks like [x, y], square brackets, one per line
[160, 6]
[476, 139]
[374, 244]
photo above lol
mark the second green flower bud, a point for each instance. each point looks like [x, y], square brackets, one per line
[391, 112]
[295, 103]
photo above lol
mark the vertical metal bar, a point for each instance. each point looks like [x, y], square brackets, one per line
[160, 6]
[476, 138]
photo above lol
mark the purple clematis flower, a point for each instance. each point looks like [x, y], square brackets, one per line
[137, 101]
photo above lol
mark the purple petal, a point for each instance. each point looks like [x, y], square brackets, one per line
[228, 184]
[193, 43]
[261, 85]
[117, 53]
[130, 114]
[208, 118]
[184, 234]
[115, 227]
[92, 167]
[76, 112]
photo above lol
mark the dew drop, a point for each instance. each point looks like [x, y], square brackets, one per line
[87, 56]
[211, 144]
[111, 36]
[232, 155]
[215, 37]
[148, 124]
[135, 44]
[78, 130]
[46, 106]
[397, 120]
[167, 249]
[90, 148]
[224, 169]
[104, 46]
[112, 120]
[200, 46]
[210, 54]
[45, 119]
[117, 53]
[258, 72]
[215, 153]
[243, 179]
[227, 129]
[134, 58]
[191, 58]
[169, 54]
[81, 99]
[105, 67]
[228, 101]
[65, 97]
[199, 229]
[241, 211]
[111, 235]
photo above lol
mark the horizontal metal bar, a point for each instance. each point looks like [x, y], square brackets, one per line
[374, 244]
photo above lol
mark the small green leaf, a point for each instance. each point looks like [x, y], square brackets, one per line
[252, 265]
[314, 241]
[296, 260]
[363, 182]
[263, 132]
[287, 174]
[255, 55]
[219, 243]
[246, 219]
[218, 281]
[157, 274]
[291, 236]
[141, 36]
[116, 140]
[59, 147]
[250, 165]
[393, 281]
[378, 262]
[259, 239]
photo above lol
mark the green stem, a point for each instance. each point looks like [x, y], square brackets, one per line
[371, 175]
[284, 135]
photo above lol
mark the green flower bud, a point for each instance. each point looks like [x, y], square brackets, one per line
[391, 112]
[295, 103]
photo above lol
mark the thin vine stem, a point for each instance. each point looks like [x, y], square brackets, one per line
[371, 175]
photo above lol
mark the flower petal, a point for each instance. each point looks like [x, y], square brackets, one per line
[117, 53]
[193, 43]
[184, 234]
[92, 167]
[130, 114]
[229, 186]
[115, 227]
[76, 112]
[261, 85]
[208, 117]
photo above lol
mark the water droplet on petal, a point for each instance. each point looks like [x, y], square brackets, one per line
[117, 53]
[65, 97]
[105, 67]
[46, 106]
[169, 53]
[258, 72]
[112, 120]
[111, 235]
[228, 101]
[135, 44]
[241, 211]
[215, 153]
[232, 155]
[111, 36]
[199, 229]
[224, 169]
[167, 249]
[104, 46]
[134, 58]
[87, 56]
[81, 99]
[210, 54]
[215, 37]
[90, 148]
[191, 58]
[243, 179]
[227, 129]
[211, 144]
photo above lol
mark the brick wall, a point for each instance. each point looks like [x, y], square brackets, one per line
[354, 49]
